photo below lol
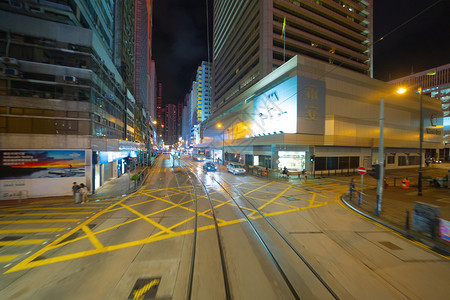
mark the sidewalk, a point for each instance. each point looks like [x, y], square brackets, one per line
[115, 187]
[397, 203]
[397, 206]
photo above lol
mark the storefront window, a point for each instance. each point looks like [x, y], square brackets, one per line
[293, 160]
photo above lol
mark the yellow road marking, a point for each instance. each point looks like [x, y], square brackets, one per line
[21, 242]
[49, 208]
[46, 214]
[138, 293]
[146, 219]
[257, 188]
[29, 263]
[311, 203]
[179, 206]
[5, 258]
[91, 236]
[31, 230]
[39, 221]
[269, 202]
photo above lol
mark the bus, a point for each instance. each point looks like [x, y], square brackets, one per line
[198, 155]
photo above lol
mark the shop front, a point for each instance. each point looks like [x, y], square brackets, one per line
[292, 160]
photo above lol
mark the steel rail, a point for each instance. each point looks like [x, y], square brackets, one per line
[220, 246]
[241, 195]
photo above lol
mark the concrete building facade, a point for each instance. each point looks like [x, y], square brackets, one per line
[434, 83]
[67, 109]
[309, 114]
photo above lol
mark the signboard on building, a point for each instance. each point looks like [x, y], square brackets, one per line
[31, 164]
[311, 106]
[275, 110]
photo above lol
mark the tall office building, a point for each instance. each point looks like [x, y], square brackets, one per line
[67, 106]
[249, 41]
[170, 127]
[204, 96]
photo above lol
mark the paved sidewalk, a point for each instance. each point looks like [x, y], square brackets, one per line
[116, 187]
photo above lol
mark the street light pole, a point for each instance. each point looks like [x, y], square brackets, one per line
[380, 160]
[421, 142]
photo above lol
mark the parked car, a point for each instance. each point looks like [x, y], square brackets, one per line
[209, 166]
[236, 169]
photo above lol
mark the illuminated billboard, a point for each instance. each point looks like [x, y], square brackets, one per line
[28, 164]
[276, 110]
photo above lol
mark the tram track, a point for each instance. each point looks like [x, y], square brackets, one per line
[262, 236]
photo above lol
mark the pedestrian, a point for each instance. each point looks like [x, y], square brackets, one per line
[285, 171]
[351, 186]
[305, 176]
[76, 192]
[83, 192]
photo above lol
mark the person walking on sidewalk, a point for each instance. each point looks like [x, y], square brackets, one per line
[76, 194]
[83, 192]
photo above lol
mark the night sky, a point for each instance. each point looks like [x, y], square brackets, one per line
[179, 40]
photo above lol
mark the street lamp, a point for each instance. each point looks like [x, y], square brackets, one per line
[419, 192]
[380, 180]
[219, 125]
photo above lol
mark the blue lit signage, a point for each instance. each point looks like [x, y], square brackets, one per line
[109, 156]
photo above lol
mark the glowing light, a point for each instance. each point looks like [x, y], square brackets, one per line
[401, 90]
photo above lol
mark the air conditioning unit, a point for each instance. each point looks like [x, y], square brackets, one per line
[11, 71]
[9, 61]
[70, 79]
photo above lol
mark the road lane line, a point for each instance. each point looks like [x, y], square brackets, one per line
[21, 242]
[269, 202]
[39, 221]
[5, 258]
[49, 208]
[156, 224]
[31, 230]
[46, 214]
[91, 236]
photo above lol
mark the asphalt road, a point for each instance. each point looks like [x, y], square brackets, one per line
[140, 246]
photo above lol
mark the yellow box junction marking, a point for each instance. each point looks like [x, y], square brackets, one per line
[166, 233]
[31, 230]
[46, 214]
[92, 237]
[6, 258]
[21, 242]
[39, 221]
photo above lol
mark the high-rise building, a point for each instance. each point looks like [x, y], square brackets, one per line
[254, 37]
[160, 117]
[170, 127]
[67, 94]
[204, 96]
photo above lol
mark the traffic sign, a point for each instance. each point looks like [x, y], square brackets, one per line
[362, 170]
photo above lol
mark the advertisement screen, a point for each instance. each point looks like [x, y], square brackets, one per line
[276, 110]
[29, 164]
